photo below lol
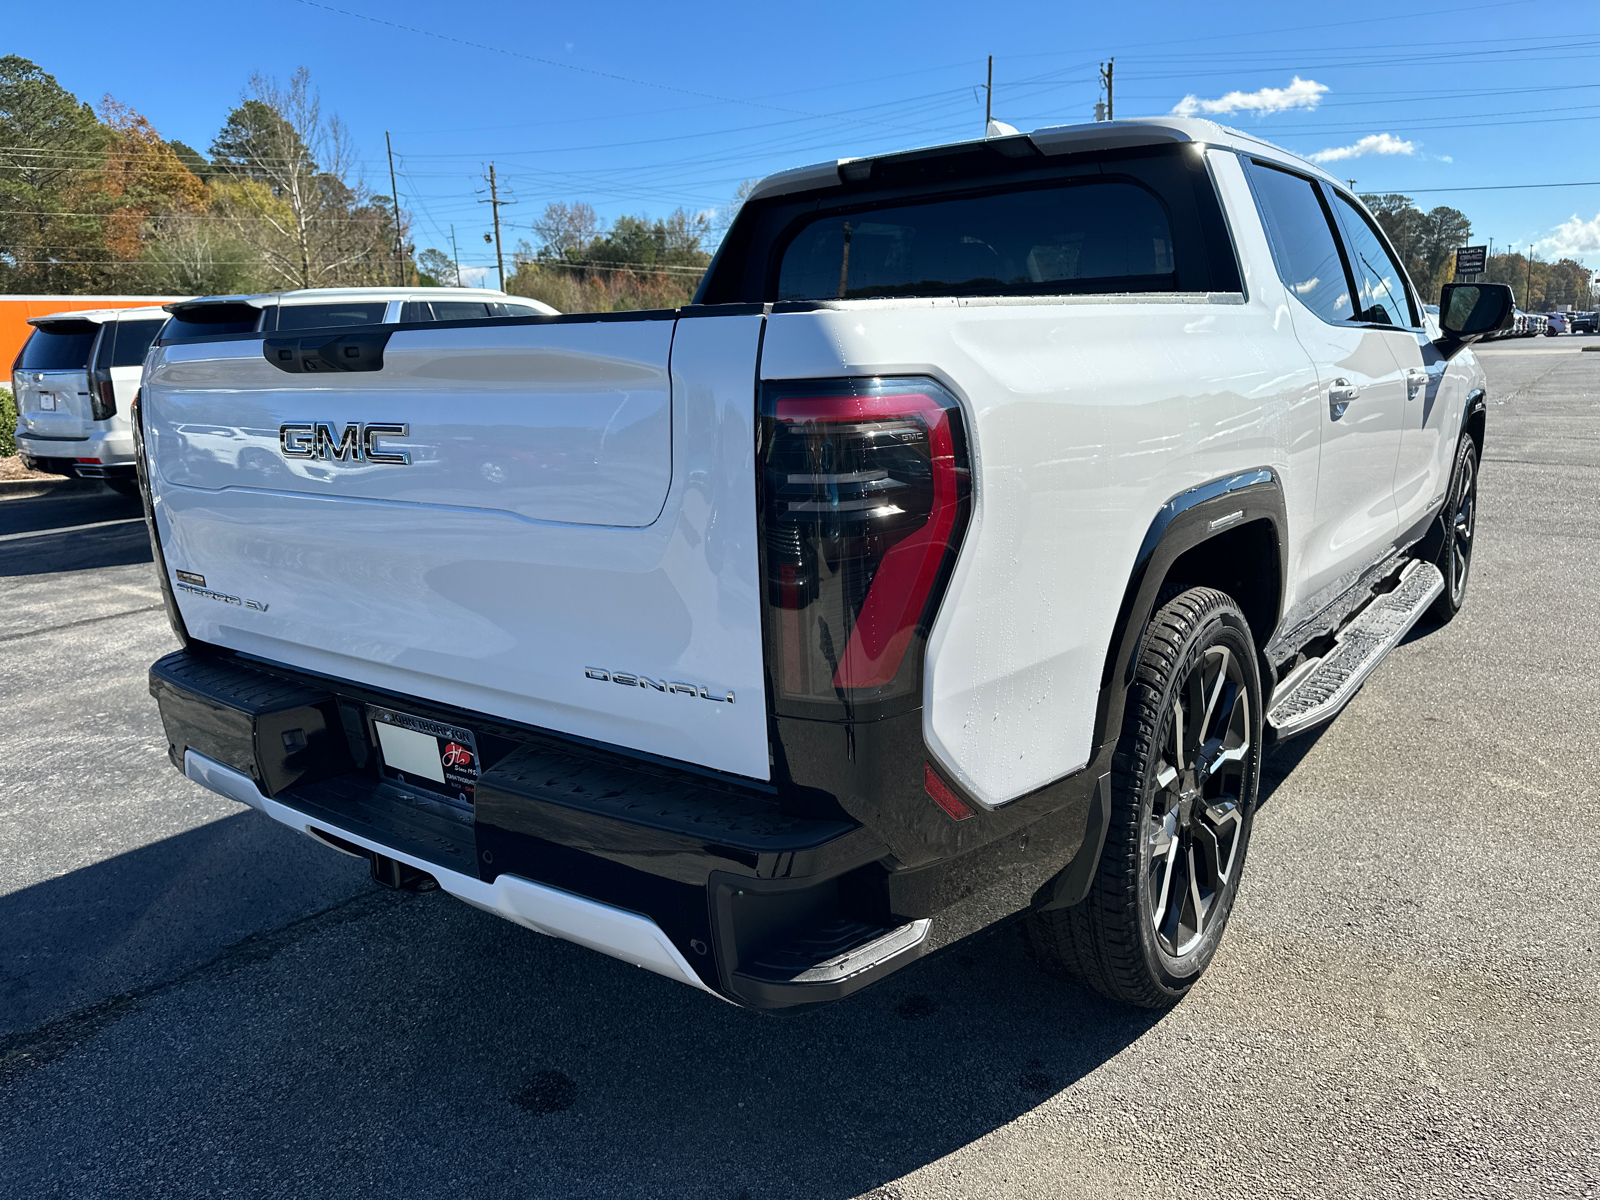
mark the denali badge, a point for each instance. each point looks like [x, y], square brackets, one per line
[677, 687]
[354, 443]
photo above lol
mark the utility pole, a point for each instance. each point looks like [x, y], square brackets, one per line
[1527, 295]
[495, 201]
[988, 98]
[394, 194]
[457, 253]
[1108, 71]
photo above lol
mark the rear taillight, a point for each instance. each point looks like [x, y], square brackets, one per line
[865, 492]
[103, 399]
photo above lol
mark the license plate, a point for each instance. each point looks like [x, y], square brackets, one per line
[426, 754]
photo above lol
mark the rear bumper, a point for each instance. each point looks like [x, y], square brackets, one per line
[114, 449]
[689, 875]
[628, 936]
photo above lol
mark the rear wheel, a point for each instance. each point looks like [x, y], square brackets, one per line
[1184, 780]
[1460, 523]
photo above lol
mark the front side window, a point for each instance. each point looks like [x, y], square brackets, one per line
[461, 310]
[1083, 237]
[1304, 248]
[1380, 283]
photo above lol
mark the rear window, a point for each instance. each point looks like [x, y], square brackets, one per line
[210, 320]
[133, 341]
[325, 316]
[61, 346]
[1095, 236]
[990, 219]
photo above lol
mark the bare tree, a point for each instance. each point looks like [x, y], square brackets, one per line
[722, 219]
[565, 230]
[291, 190]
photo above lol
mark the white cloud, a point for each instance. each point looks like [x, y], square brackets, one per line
[1573, 237]
[1373, 143]
[1301, 93]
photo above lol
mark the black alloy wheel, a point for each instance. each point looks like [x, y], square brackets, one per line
[1195, 823]
[1459, 522]
[1184, 779]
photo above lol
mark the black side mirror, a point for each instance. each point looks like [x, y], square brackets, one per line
[1469, 311]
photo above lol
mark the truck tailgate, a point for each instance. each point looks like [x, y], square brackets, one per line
[563, 534]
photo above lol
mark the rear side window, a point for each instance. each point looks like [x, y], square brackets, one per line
[324, 316]
[462, 310]
[1303, 244]
[133, 341]
[60, 346]
[448, 310]
[1092, 236]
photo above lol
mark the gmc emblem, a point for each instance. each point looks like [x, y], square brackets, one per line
[353, 444]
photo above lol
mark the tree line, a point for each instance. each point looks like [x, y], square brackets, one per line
[1427, 243]
[94, 200]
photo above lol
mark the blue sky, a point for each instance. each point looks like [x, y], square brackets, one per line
[643, 107]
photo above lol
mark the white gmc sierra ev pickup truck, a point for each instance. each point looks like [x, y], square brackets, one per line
[951, 557]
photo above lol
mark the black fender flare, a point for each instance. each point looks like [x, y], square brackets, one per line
[1189, 519]
[1477, 405]
[1431, 537]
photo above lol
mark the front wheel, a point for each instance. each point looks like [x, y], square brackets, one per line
[1460, 521]
[1183, 792]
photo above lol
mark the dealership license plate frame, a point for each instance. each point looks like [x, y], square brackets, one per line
[394, 735]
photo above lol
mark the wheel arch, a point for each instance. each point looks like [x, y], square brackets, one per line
[1230, 534]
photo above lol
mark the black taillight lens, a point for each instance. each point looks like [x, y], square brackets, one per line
[102, 397]
[866, 486]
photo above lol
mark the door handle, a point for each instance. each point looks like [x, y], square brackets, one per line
[1339, 397]
[1416, 380]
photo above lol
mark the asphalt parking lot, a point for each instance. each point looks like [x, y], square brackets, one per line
[195, 1001]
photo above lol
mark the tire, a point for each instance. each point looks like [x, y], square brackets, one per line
[124, 487]
[1459, 523]
[1176, 843]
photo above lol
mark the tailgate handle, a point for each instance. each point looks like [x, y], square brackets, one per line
[326, 352]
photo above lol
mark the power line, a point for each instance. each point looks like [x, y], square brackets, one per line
[1499, 187]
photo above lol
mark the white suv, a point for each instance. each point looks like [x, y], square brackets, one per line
[331, 308]
[74, 382]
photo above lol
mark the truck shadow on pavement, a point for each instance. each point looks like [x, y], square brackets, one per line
[391, 1044]
[40, 537]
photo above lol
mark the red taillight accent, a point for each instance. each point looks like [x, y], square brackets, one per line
[906, 573]
[864, 502]
[89, 460]
[943, 796]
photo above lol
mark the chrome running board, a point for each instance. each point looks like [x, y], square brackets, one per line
[1316, 691]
